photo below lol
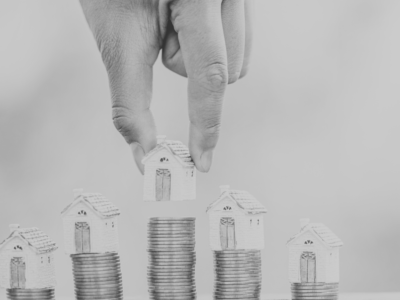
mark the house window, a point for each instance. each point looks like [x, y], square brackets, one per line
[308, 242]
[192, 173]
[164, 159]
[112, 224]
[18, 248]
[41, 258]
[251, 221]
[227, 208]
[49, 259]
[82, 213]
[258, 222]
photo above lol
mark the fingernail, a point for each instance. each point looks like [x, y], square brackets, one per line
[206, 160]
[138, 154]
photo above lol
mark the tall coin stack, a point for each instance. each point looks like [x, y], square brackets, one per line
[172, 258]
[315, 290]
[237, 274]
[30, 294]
[97, 276]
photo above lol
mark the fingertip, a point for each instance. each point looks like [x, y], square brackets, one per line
[202, 147]
[138, 155]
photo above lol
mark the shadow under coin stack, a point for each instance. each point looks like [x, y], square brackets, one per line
[172, 258]
[315, 290]
[237, 274]
[97, 276]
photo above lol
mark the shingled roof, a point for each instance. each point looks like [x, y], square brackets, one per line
[34, 238]
[322, 232]
[243, 199]
[98, 202]
[177, 148]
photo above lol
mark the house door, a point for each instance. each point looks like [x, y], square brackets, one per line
[163, 185]
[82, 237]
[227, 233]
[307, 267]
[18, 268]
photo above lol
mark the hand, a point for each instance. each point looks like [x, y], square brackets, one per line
[208, 41]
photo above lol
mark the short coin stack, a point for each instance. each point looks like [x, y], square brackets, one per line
[30, 294]
[172, 258]
[237, 274]
[97, 276]
[315, 290]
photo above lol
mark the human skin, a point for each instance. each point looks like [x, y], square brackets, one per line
[207, 41]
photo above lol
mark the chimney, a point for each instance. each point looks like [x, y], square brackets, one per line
[224, 188]
[13, 227]
[77, 192]
[304, 222]
[161, 138]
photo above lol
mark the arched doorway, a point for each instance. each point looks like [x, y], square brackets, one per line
[18, 268]
[227, 233]
[308, 267]
[82, 237]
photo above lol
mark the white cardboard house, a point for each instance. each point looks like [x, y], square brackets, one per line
[314, 254]
[236, 221]
[169, 172]
[90, 224]
[27, 260]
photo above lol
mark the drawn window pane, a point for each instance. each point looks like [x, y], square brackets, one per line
[227, 208]
[308, 242]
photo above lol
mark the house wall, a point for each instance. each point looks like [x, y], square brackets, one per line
[297, 247]
[177, 176]
[254, 231]
[45, 271]
[332, 265]
[36, 277]
[102, 239]
[247, 236]
[110, 229]
[189, 183]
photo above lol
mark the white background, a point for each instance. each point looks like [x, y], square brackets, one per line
[313, 131]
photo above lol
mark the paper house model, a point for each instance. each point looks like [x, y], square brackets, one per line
[27, 260]
[236, 221]
[169, 172]
[90, 224]
[314, 254]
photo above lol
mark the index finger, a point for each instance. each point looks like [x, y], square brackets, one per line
[201, 37]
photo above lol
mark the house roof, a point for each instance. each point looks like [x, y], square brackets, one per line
[104, 207]
[243, 199]
[176, 148]
[322, 232]
[34, 238]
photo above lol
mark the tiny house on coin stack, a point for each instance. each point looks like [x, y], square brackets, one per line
[314, 254]
[90, 224]
[27, 259]
[169, 172]
[236, 221]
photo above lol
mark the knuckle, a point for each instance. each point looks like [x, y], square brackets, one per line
[123, 120]
[215, 77]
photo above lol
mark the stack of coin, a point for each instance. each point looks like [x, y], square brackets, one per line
[237, 274]
[172, 258]
[30, 294]
[97, 276]
[315, 290]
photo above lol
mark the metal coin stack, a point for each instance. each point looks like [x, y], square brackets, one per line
[237, 274]
[30, 294]
[315, 290]
[97, 276]
[172, 259]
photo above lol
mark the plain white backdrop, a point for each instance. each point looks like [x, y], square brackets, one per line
[312, 131]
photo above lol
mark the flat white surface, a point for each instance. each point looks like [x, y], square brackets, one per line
[360, 296]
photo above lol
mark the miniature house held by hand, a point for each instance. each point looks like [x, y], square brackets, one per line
[90, 224]
[169, 172]
[27, 260]
[314, 254]
[236, 221]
